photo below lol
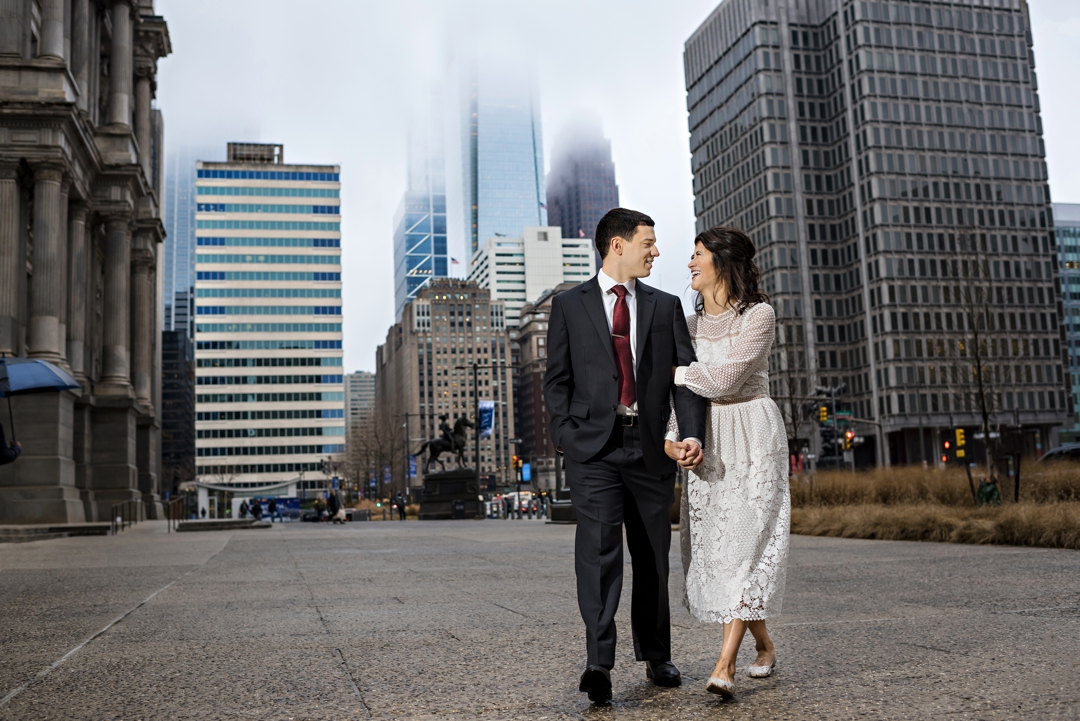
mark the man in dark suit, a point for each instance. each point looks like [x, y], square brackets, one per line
[612, 344]
[8, 454]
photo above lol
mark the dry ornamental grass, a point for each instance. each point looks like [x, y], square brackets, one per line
[917, 504]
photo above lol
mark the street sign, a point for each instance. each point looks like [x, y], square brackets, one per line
[980, 435]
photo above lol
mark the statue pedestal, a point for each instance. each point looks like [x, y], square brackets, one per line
[451, 494]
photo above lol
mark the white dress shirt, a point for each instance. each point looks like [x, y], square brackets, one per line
[606, 284]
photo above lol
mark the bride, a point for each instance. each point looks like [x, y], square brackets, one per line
[738, 508]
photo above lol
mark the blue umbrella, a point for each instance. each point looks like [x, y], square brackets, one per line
[22, 376]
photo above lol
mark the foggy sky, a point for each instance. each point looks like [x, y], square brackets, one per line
[333, 81]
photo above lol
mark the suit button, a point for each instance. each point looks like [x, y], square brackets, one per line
[614, 407]
[615, 378]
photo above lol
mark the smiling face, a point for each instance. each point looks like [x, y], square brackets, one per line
[633, 258]
[703, 275]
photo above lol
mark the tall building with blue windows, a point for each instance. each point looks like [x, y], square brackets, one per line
[178, 215]
[495, 153]
[420, 248]
[1067, 230]
[269, 385]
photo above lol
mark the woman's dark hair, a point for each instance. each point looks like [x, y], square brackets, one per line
[733, 258]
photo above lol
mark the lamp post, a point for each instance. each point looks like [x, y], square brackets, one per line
[476, 409]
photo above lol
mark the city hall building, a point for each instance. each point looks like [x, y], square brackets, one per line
[269, 386]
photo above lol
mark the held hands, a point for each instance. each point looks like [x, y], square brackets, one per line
[687, 454]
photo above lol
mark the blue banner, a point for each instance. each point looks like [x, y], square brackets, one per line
[412, 466]
[526, 472]
[386, 474]
[487, 418]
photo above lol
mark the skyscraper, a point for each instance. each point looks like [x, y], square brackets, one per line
[270, 398]
[887, 160]
[581, 185]
[1067, 229]
[178, 209]
[495, 153]
[420, 248]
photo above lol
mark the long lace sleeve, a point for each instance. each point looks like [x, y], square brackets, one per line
[672, 422]
[726, 377]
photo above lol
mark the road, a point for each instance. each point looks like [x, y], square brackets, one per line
[477, 619]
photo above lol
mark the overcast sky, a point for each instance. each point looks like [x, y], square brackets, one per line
[333, 80]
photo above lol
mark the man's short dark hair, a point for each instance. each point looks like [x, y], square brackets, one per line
[618, 222]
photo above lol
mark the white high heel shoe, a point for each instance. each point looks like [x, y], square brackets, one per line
[720, 687]
[761, 671]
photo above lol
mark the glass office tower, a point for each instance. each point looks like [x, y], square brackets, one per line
[1067, 229]
[888, 161]
[495, 153]
[270, 392]
[420, 247]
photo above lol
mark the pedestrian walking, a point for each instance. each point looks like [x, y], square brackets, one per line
[400, 502]
[272, 508]
[244, 509]
[256, 509]
[8, 453]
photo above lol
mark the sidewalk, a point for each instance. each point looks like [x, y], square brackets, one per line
[478, 619]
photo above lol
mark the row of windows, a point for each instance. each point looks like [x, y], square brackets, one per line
[268, 175]
[269, 415]
[268, 345]
[268, 310]
[268, 293]
[255, 468]
[268, 328]
[263, 275]
[264, 380]
[268, 208]
[270, 432]
[969, 405]
[269, 192]
[266, 225]
[283, 259]
[265, 362]
[273, 242]
[268, 397]
[268, 450]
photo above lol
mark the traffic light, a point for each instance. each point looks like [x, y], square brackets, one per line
[823, 414]
[849, 438]
[945, 455]
[515, 462]
[960, 442]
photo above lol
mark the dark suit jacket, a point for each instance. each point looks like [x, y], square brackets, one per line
[581, 386]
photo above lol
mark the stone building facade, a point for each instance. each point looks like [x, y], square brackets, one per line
[80, 227]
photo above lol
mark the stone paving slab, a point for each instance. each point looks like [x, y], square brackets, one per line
[478, 619]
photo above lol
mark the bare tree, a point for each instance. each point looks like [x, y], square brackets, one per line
[373, 445]
[974, 358]
[792, 380]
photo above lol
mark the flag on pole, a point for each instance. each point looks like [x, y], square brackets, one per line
[454, 261]
[487, 418]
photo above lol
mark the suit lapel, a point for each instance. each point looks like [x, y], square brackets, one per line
[593, 301]
[646, 306]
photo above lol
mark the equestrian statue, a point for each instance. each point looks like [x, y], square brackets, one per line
[451, 441]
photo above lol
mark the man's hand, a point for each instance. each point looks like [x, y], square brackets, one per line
[18, 445]
[687, 455]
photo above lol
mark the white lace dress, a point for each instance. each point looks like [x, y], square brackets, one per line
[737, 504]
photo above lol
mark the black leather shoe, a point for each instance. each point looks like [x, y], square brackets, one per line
[663, 673]
[596, 681]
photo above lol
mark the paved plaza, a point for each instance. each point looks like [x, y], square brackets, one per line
[477, 619]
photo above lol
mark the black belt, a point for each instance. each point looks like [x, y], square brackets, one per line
[627, 421]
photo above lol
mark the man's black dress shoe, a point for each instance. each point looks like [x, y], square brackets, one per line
[596, 681]
[663, 673]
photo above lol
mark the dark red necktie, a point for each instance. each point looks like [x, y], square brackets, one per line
[620, 340]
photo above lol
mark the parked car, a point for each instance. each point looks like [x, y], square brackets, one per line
[1067, 452]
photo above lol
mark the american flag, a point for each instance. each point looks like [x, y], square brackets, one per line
[454, 261]
[580, 233]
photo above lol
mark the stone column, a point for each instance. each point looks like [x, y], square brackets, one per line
[10, 249]
[11, 27]
[80, 50]
[50, 266]
[52, 29]
[120, 65]
[142, 306]
[115, 378]
[142, 118]
[78, 305]
[61, 330]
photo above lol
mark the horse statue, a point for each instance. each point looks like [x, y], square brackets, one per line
[451, 441]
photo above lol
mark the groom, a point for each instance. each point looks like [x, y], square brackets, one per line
[612, 345]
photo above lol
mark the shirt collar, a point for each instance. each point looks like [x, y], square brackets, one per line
[607, 283]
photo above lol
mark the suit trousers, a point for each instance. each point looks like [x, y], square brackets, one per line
[610, 491]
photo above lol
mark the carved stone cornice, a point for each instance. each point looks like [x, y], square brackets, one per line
[152, 37]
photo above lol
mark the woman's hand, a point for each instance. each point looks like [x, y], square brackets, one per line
[687, 455]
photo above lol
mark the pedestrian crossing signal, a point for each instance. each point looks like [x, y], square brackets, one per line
[959, 437]
[823, 413]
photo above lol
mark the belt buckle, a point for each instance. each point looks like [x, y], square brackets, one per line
[628, 421]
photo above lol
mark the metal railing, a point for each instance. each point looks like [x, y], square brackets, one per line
[126, 514]
[174, 513]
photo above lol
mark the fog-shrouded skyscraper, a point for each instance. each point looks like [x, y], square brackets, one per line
[581, 185]
[887, 160]
[495, 152]
[420, 244]
[270, 395]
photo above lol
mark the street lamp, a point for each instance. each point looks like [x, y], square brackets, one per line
[476, 408]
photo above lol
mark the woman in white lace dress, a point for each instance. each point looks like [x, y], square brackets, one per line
[737, 501]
